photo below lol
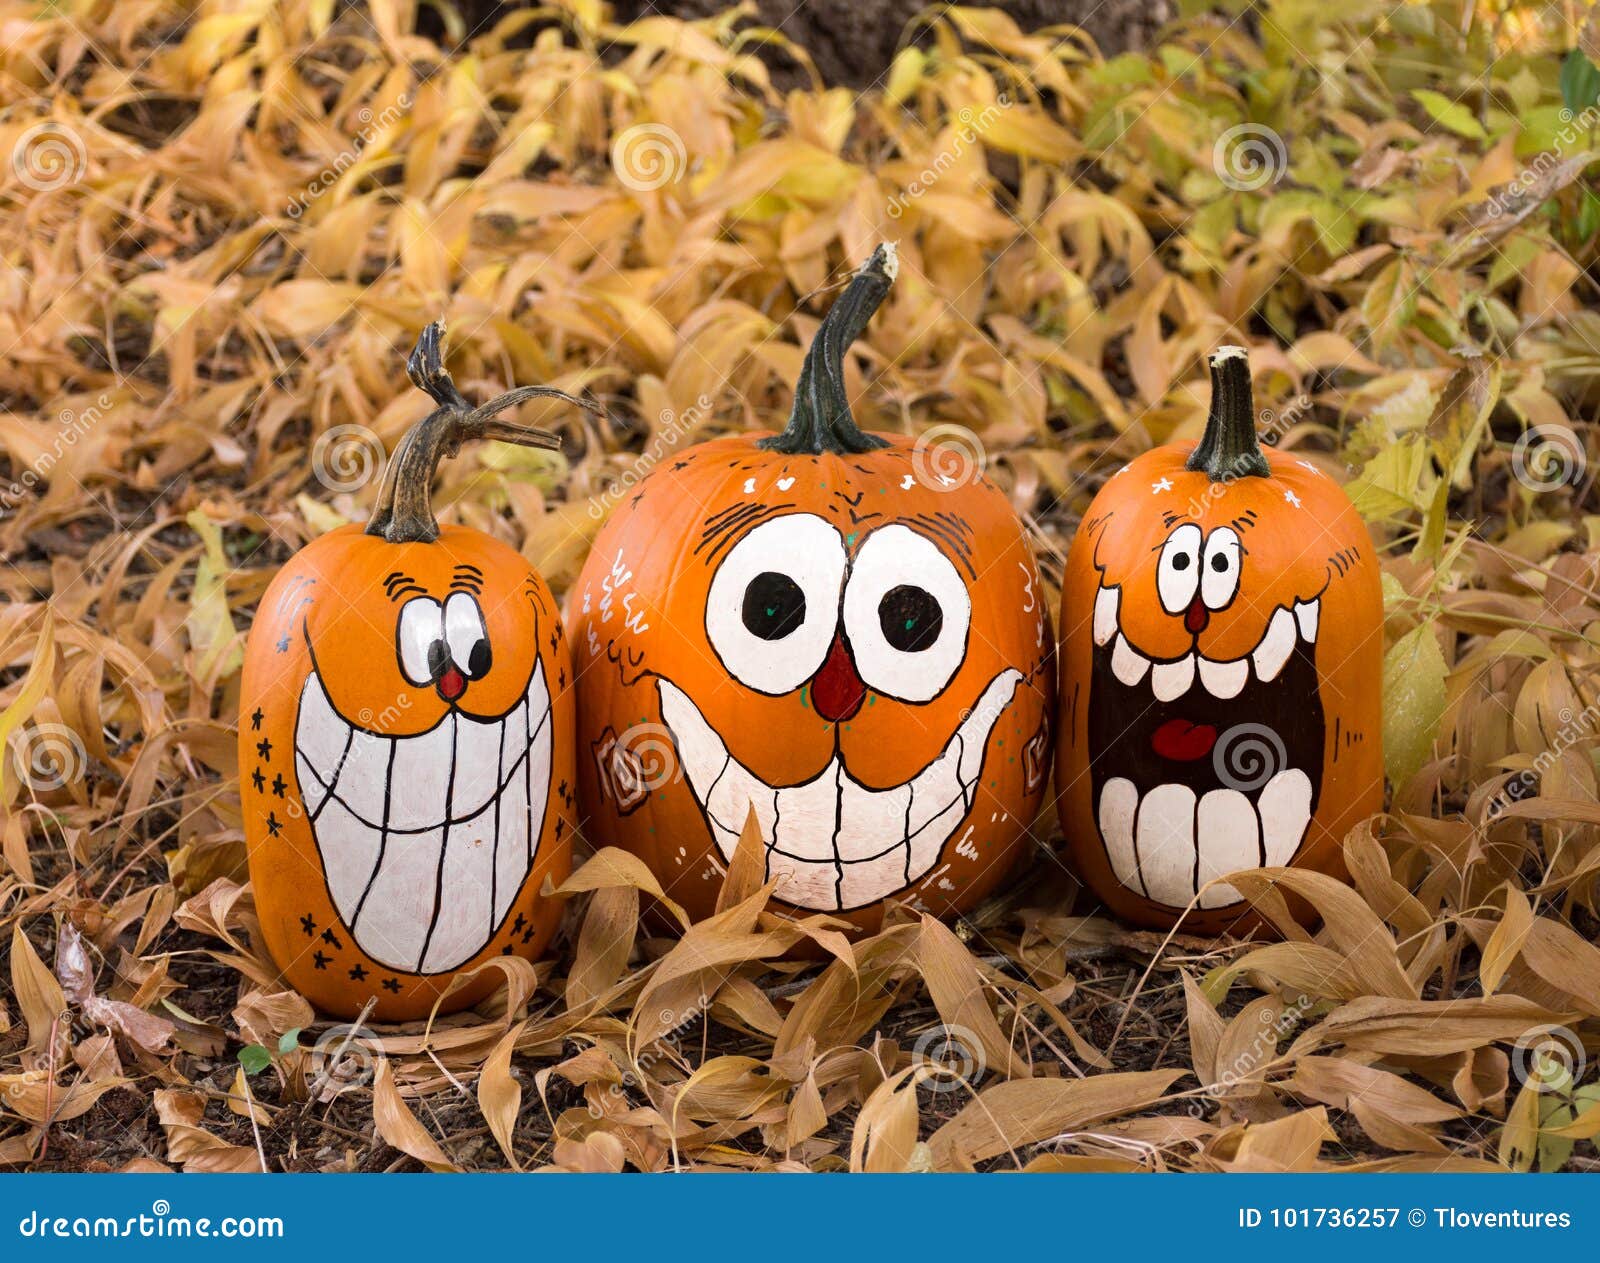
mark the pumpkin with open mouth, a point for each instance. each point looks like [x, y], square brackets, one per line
[811, 627]
[406, 741]
[1220, 701]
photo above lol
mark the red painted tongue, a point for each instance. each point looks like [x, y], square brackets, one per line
[1183, 742]
[836, 690]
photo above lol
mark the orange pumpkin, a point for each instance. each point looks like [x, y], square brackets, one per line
[1220, 701]
[801, 626]
[405, 741]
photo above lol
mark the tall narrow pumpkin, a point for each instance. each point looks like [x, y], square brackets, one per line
[1221, 657]
[406, 740]
[807, 626]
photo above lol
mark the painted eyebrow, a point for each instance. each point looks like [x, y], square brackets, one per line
[398, 584]
[719, 534]
[949, 530]
[406, 589]
[467, 578]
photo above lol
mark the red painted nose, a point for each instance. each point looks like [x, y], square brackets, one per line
[836, 690]
[452, 684]
[1196, 617]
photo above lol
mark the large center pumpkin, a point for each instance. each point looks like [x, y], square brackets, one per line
[802, 627]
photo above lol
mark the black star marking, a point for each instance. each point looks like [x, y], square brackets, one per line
[527, 936]
[358, 972]
[553, 642]
[634, 503]
[279, 784]
[506, 950]
[330, 938]
[519, 924]
[274, 825]
[255, 719]
[258, 780]
[562, 790]
[320, 961]
[283, 644]
[392, 985]
[681, 464]
[264, 749]
[561, 827]
[308, 923]
[561, 678]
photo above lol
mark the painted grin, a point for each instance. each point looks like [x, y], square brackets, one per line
[399, 820]
[1200, 794]
[833, 843]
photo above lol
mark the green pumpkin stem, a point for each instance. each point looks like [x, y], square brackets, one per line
[821, 420]
[1229, 448]
[404, 512]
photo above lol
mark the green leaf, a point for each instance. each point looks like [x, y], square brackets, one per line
[289, 1041]
[1450, 114]
[1580, 82]
[1413, 702]
[254, 1058]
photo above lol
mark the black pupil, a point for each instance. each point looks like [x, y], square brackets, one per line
[478, 660]
[910, 618]
[438, 658]
[1180, 561]
[1219, 562]
[773, 605]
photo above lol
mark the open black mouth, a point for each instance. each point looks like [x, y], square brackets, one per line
[1203, 768]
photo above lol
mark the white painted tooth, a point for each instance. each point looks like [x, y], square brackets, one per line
[1106, 602]
[979, 724]
[736, 791]
[466, 915]
[1224, 679]
[1276, 645]
[702, 752]
[419, 779]
[511, 855]
[925, 846]
[312, 791]
[1171, 680]
[513, 740]
[538, 694]
[872, 822]
[364, 775]
[478, 750]
[807, 884]
[1306, 614]
[806, 817]
[1166, 844]
[1119, 801]
[398, 909]
[538, 781]
[1127, 663]
[1228, 835]
[1285, 806]
[349, 850]
[320, 736]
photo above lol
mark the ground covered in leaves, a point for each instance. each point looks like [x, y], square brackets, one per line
[226, 223]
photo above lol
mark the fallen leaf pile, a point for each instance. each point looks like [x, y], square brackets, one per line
[225, 224]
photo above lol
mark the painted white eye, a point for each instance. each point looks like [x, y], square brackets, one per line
[421, 639]
[1178, 571]
[1219, 571]
[906, 612]
[467, 635]
[774, 602]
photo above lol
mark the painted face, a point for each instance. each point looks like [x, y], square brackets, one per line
[410, 700]
[1221, 674]
[857, 659]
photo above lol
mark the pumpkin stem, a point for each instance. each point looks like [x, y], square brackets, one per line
[404, 513]
[1229, 449]
[821, 420]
